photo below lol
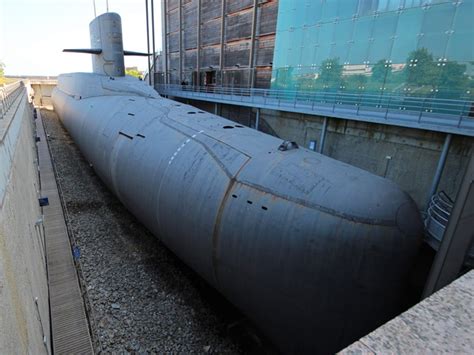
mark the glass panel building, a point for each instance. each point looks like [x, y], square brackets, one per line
[406, 47]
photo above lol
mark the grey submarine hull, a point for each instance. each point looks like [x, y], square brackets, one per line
[316, 252]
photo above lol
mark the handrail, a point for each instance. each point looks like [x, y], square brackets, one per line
[300, 94]
[8, 95]
[437, 218]
[456, 115]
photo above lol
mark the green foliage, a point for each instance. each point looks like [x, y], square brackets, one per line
[423, 71]
[422, 75]
[356, 82]
[420, 68]
[452, 75]
[133, 72]
[331, 72]
[381, 71]
[284, 78]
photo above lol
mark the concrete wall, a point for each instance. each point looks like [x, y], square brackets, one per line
[24, 322]
[406, 156]
[42, 93]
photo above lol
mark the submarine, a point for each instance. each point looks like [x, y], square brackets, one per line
[314, 251]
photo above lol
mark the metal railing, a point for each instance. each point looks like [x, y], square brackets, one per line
[8, 95]
[446, 115]
[436, 221]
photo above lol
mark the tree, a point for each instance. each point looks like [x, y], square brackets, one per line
[2, 70]
[381, 71]
[421, 68]
[452, 76]
[356, 82]
[133, 72]
[331, 72]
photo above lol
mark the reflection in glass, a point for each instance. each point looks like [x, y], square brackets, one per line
[376, 47]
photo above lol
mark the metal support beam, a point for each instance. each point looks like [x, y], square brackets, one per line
[439, 168]
[221, 57]
[164, 16]
[216, 108]
[148, 41]
[457, 237]
[322, 139]
[252, 45]
[257, 119]
[181, 58]
[198, 44]
[153, 65]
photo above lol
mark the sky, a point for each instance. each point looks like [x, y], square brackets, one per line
[33, 34]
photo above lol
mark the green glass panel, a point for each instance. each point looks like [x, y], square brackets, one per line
[312, 12]
[361, 40]
[329, 10]
[323, 45]
[310, 36]
[407, 34]
[437, 23]
[385, 26]
[367, 7]
[411, 47]
[295, 45]
[461, 42]
[346, 9]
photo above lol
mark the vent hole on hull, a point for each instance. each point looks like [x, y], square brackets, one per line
[234, 196]
[140, 135]
[131, 99]
[131, 114]
[191, 113]
[227, 127]
[125, 135]
[249, 202]
[239, 126]
[201, 112]
[264, 208]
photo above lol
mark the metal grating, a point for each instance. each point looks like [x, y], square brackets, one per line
[69, 326]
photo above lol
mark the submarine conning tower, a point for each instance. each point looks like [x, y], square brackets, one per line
[107, 46]
[106, 35]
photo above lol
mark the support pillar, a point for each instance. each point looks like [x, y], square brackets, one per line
[456, 239]
[198, 45]
[221, 57]
[148, 41]
[257, 119]
[180, 37]
[323, 135]
[252, 46]
[164, 20]
[153, 64]
[439, 168]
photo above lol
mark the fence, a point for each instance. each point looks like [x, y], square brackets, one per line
[8, 95]
[445, 115]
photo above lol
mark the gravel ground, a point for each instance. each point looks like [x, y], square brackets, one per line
[140, 298]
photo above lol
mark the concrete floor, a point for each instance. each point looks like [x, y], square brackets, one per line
[442, 323]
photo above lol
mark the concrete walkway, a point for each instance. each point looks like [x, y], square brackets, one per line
[70, 329]
[442, 323]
